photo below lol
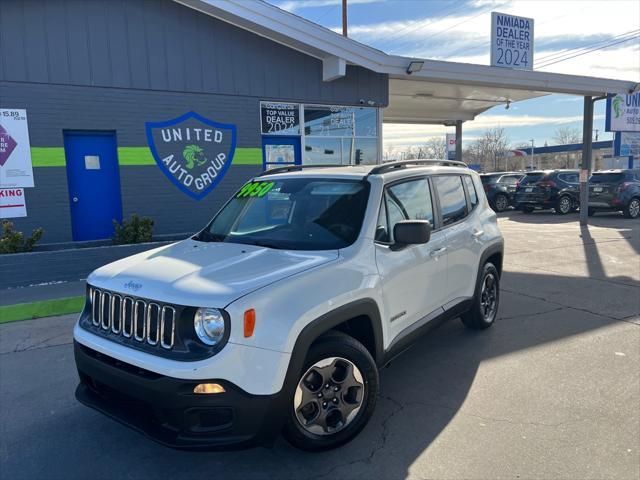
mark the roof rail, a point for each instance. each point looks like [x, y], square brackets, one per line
[389, 166]
[295, 168]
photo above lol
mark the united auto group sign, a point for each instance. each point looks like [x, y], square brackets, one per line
[192, 151]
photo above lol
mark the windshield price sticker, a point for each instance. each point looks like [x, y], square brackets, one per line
[255, 189]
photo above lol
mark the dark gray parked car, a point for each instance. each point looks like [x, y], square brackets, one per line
[500, 188]
[615, 190]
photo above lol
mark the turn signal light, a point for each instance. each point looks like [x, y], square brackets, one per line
[249, 322]
[208, 388]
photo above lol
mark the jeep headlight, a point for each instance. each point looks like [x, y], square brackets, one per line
[209, 325]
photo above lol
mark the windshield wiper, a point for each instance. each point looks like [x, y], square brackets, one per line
[207, 236]
[266, 244]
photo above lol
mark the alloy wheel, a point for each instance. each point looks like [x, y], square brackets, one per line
[329, 396]
[565, 205]
[501, 203]
[489, 298]
[634, 208]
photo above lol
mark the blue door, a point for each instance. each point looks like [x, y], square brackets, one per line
[280, 151]
[94, 183]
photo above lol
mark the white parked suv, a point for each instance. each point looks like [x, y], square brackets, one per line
[277, 316]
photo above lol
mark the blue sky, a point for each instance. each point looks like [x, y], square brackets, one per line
[459, 31]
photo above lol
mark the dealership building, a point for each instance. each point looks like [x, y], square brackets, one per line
[164, 108]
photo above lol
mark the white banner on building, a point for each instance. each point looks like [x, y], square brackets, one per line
[511, 41]
[623, 113]
[451, 146]
[12, 203]
[15, 151]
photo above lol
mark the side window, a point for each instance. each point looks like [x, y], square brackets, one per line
[510, 179]
[569, 177]
[452, 200]
[471, 190]
[405, 201]
[382, 230]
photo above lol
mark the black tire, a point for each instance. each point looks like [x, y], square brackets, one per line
[527, 209]
[591, 211]
[342, 347]
[632, 210]
[500, 203]
[478, 317]
[564, 204]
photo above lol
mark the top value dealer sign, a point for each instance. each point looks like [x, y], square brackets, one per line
[511, 41]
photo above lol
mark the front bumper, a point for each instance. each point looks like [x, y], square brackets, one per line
[166, 409]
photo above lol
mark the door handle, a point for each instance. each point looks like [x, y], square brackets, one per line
[477, 234]
[436, 253]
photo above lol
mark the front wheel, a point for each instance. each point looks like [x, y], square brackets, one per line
[486, 300]
[335, 395]
[632, 210]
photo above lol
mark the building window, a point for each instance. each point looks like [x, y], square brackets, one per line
[340, 135]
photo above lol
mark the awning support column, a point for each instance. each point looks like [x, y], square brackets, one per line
[587, 154]
[459, 140]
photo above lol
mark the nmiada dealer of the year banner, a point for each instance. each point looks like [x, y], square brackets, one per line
[15, 152]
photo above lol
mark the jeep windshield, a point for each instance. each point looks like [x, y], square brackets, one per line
[292, 214]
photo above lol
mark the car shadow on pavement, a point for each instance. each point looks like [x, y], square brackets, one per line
[46, 434]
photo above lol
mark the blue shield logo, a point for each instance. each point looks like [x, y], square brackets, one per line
[192, 151]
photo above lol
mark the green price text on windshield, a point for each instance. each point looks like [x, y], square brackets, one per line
[255, 189]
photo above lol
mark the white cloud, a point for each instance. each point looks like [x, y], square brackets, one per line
[410, 134]
[293, 5]
[465, 37]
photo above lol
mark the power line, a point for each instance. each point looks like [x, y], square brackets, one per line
[588, 51]
[420, 23]
[583, 47]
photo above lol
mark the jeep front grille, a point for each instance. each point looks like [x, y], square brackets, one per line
[142, 320]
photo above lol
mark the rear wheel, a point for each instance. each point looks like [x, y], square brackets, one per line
[500, 203]
[527, 209]
[591, 211]
[564, 205]
[486, 300]
[335, 395]
[632, 210]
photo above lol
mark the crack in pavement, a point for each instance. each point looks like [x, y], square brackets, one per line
[382, 443]
[585, 310]
[34, 348]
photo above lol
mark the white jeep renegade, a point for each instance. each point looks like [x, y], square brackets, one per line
[276, 317]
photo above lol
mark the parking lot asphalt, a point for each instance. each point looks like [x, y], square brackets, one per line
[551, 391]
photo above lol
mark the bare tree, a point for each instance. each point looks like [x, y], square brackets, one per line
[490, 150]
[566, 136]
[436, 148]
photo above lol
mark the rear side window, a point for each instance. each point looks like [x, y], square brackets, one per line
[606, 177]
[488, 179]
[532, 178]
[569, 177]
[471, 190]
[452, 200]
[404, 201]
[510, 179]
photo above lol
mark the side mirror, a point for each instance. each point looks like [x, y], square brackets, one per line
[411, 232]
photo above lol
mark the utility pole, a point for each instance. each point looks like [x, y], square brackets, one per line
[532, 157]
[344, 18]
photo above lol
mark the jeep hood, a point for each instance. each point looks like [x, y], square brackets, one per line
[210, 274]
